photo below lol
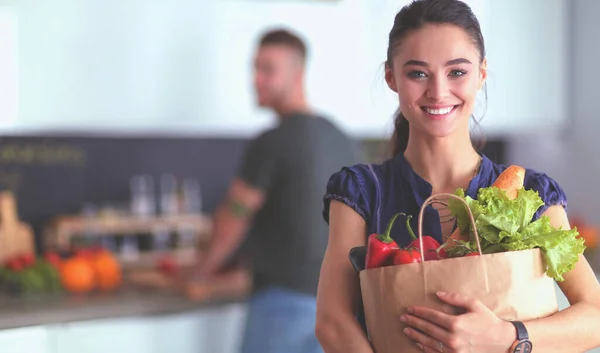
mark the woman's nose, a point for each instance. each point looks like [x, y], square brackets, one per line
[437, 88]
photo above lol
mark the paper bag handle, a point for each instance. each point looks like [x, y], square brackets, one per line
[435, 199]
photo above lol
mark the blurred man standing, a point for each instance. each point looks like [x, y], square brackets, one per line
[276, 200]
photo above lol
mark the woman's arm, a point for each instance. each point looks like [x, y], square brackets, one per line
[577, 328]
[337, 328]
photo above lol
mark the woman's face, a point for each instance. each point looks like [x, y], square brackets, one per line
[437, 72]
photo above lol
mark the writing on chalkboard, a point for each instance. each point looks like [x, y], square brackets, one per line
[42, 154]
[10, 179]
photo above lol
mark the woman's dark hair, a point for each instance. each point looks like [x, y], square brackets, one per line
[411, 18]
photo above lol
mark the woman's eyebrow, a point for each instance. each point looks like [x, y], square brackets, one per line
[448, 63]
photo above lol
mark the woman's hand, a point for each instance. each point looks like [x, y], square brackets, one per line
[476, 329]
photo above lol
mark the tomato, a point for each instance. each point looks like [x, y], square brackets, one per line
[28, 260]
[15, 264]
[168, 265]
[53, 258]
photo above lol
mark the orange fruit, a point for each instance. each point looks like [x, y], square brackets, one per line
[107, 271]
[77, 275]
[590, 235]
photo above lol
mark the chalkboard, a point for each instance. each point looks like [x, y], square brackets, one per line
[54, 175]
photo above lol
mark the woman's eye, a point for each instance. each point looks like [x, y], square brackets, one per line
[458, 73]
[417, 74]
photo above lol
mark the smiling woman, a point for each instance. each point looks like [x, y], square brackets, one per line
[436, 64]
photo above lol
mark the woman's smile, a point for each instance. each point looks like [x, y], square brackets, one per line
[439, 112]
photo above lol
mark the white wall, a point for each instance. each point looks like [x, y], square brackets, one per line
[527, 45]
[570, 156]
[123, 64]
[186, 65]
[8, 69]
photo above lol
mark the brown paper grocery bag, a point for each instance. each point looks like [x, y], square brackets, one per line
[513, 285]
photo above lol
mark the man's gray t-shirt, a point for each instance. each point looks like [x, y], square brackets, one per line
[292, 163]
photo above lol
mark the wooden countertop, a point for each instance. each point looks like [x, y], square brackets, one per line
[128, 302]
[131, 300]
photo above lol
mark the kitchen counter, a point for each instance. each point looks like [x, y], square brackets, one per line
[145, 315]
[128, 302]
[129, 321]
[132, 320]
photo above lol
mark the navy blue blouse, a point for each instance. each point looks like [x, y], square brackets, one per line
[378, 191]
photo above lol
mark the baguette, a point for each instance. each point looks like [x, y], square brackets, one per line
[511, 180]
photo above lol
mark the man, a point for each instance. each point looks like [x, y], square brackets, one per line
[276, 201]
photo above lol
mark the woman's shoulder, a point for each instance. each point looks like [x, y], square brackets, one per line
[356, 186]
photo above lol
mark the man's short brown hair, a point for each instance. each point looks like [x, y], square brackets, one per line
[286, 38]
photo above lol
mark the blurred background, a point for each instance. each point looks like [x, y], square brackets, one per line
[123, 122]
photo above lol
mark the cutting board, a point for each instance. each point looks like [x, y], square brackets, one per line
[233, 283]
[16, 237]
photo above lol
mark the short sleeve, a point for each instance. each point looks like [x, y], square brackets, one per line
[258, 164]
[346, 186]
[550, 191]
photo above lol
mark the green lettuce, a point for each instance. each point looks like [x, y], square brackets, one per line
[505, 225]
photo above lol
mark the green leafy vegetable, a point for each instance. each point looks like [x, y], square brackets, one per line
[505, 225]
[41, 277]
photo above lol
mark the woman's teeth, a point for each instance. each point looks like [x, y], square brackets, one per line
[439, 111]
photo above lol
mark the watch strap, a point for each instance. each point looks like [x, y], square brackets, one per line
[522, 333]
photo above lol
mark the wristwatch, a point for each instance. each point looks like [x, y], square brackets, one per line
[522, 344]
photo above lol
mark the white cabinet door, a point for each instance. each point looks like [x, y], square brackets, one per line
[212, 330]
[115, 336]
[25, 340]
[202, 331]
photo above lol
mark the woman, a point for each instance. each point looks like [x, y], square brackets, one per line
[436, 64]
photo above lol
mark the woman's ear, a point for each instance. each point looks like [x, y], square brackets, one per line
[483, 72]
[389, 78]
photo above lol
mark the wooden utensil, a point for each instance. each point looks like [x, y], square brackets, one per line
[16, 237]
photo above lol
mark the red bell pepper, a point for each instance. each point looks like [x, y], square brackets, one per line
[381, 247]
[432, 250]
[407, 256]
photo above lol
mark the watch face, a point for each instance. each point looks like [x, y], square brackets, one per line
[523, 347]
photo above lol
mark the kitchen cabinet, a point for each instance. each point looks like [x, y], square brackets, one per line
[134, 335]
[26, 340]
[200, 331]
